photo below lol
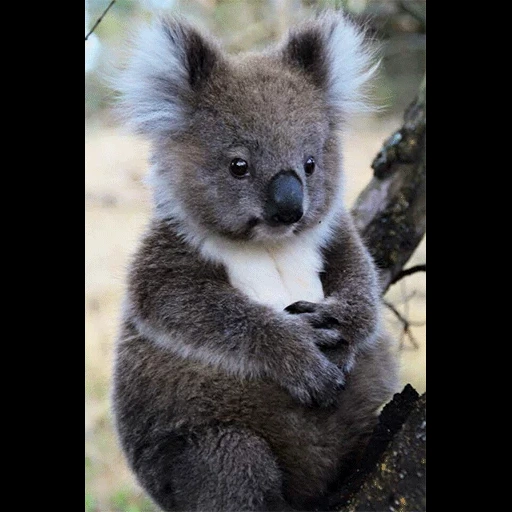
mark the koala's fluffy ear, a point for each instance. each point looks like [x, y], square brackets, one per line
[335, 55]
[169, 63]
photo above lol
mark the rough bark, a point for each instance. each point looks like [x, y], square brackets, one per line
[391, 211]
[392, 473]
[398, 479]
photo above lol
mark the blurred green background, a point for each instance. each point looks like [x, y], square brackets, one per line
[117, 201]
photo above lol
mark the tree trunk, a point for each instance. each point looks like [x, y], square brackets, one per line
[391, 215]
[392, 473]
[398, 479]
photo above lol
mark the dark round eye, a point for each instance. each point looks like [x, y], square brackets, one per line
[239, 168]
[309, 166]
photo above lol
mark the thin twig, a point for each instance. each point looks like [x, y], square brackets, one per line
[100, 18]
[409, 271]
[407, 324]
[403, 290]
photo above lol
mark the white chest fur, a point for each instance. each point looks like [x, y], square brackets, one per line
[277, 276]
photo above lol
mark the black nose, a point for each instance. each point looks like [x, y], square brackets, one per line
[284, 199]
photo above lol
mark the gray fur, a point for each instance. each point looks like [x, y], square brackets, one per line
[222, 403]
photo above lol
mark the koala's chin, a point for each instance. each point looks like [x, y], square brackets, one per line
[269, 235]
[260, 233]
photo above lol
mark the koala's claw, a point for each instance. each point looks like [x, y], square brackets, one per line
[314, 314]
[330, 339]
[301, 306]
[324, 322]
[329, 335]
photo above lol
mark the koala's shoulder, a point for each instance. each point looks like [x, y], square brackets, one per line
[163, 253]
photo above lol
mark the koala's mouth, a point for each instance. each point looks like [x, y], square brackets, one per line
[260, 230]
[263, 231]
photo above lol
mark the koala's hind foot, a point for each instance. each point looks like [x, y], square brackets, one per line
[219, 469]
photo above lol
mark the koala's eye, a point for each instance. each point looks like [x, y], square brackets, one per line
[309, 166]
[239, 168]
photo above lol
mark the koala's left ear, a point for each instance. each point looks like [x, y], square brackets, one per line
[332, 52]
[169, 64]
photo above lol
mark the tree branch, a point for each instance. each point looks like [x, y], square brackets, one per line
[100, 18]
[406, 325]
[393, 469]
[391, 211]
[408, 272]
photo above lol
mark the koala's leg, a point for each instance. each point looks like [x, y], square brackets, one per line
[224, 469]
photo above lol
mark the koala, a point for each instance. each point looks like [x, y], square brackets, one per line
[250, 364]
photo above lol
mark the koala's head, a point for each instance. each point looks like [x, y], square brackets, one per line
[246, 146]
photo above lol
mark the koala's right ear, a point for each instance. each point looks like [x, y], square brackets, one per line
[333, 52]
[169, 64]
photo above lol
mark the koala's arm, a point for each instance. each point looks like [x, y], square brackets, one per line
[351, 283]
[352, 294]
[188, 306]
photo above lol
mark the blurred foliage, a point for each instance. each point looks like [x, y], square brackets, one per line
[252, 24]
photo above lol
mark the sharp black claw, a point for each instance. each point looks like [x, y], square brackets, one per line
[301, 306]
[343, 342]
[328, 322]
[333, 344]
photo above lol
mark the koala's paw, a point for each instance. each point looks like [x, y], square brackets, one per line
[319, 385]
[327, 333]
[327, 327]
